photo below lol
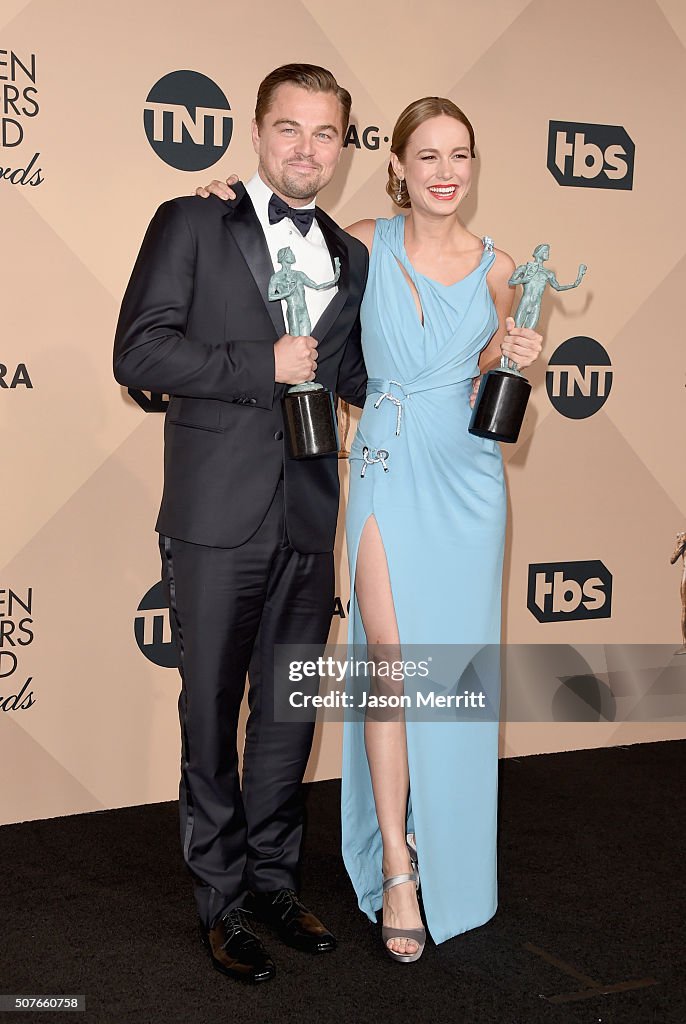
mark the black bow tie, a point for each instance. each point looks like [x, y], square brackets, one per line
[301, 218]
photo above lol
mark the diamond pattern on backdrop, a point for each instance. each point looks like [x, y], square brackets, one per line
[84, 464]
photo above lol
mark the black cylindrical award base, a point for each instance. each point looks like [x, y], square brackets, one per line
[310, 421]
[500, 405]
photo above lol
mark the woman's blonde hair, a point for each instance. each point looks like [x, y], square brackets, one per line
[412, 116]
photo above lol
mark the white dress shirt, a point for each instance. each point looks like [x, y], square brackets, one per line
[310, 251]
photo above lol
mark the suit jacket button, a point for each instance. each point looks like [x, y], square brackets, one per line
[253, 401]
[278, 436]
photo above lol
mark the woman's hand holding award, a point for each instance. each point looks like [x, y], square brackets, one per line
[504, 392]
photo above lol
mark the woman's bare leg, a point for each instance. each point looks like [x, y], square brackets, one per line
[384, 733]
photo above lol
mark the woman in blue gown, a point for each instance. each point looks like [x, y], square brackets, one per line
[425, 534]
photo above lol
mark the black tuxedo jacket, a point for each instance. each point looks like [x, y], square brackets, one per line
[195, 323]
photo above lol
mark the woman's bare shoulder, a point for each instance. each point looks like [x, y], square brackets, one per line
[503, 265]
[499, 275]
[364, 231]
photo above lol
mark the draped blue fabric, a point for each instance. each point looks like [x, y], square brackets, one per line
[438, 496]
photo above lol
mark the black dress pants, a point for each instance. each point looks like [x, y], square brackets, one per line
[228, 608]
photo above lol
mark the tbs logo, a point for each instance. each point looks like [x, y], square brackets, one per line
[562, 591]
[590, 155]
[152, 629]
[579, 377]
[187, 120]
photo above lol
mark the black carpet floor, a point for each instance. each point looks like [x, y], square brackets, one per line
[590, 926]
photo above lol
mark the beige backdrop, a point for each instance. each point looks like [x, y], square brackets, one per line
[81, 462]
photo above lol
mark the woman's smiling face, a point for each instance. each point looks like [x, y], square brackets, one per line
[436, 165]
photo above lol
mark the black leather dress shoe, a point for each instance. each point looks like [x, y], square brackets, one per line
[294, 923]
[235, 950]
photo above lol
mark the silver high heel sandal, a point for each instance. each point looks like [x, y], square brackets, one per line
[417, 935]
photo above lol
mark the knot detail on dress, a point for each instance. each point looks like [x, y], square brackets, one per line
[376, 385]
[381, 456]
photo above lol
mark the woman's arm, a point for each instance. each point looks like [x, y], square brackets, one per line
[364, 231]
[503, 295]
[518, 343]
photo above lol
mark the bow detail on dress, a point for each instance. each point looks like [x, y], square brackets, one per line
[381, 456]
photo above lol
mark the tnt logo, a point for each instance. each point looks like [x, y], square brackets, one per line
[152, 629]
[187, 120]
[590, 155]
[149, 401]
[562, 591]
[579, 377]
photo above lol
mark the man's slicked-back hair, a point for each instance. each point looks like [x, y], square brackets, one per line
[306, 76]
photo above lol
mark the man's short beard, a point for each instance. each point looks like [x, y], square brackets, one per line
[295, 188]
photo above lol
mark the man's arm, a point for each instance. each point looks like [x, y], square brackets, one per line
[352, 374]
[152, 350]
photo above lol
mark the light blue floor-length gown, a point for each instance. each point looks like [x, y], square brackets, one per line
[438, 495]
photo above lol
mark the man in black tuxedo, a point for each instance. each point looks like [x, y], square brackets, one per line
[247, 533]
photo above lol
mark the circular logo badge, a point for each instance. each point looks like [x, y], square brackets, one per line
[152, 630]
[187, 120]
[579, 377]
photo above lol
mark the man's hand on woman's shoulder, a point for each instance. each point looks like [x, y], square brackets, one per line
[220, 189]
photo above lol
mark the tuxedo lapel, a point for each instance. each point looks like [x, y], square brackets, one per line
[241, 220]
[336, 247]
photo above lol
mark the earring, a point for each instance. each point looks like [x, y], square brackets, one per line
[400, 189]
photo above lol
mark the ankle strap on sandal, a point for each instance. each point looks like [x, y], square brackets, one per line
[410, 876]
